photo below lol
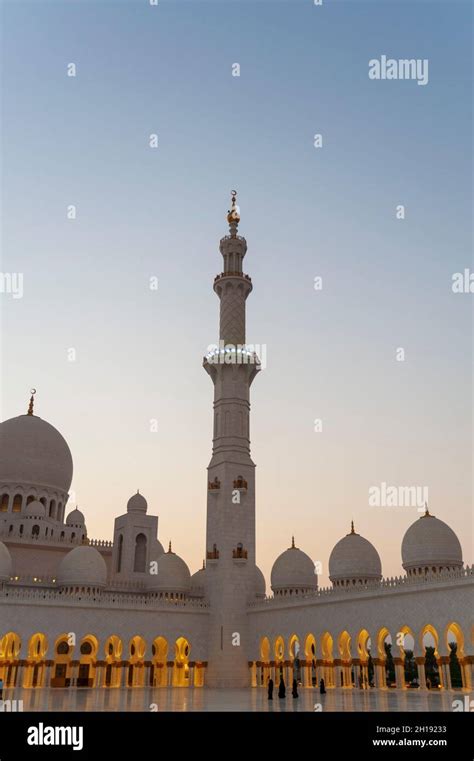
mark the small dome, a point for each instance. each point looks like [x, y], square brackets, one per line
[34, 452]
[354, 559]
[75, 518]
[173, 575]
[5, 563]
[36, 508]
[82, 566]
[137, 504]
[430, 543]
[293, 570]
[260, 585]
[198, 583]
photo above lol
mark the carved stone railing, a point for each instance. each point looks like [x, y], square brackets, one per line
[88, 597]
[393, 583]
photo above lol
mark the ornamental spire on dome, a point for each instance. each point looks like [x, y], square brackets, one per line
[293, 543]
[427, 512]
[352, 527]
[169, 547]
[32, 401]
[233, 215]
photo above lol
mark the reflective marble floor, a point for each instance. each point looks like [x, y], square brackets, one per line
[205, 699]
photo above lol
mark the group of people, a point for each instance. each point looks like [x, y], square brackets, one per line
[294, 690]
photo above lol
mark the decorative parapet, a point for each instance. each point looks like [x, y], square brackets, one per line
[104, 543]
[52, 595]
[393, 583]
[64, 541]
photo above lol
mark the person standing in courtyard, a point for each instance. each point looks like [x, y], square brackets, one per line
[322, 687]
[270, 689]
[281, 688]
[294, 690]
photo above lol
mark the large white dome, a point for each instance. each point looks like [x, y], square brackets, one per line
[82, 566]
[354, 559]
[293, 570]
[173, 575]
[5, 563]
[430, 544]
[34, 452]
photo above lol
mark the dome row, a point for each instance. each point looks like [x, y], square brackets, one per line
[429, 544]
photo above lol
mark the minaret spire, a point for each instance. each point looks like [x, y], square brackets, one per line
[32, 401]
[233, 215]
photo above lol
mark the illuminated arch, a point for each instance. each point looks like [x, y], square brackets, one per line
[294, 647]
[429, 629]
[459, 671]
[344, 645]
[10, 646]
[181, 663]
[382, 635]
[265, 649]
[279, 650]
[405, 631]
[63, 652]
[136, 668]
[159, 670]
[88, 650]
[327, 644]
[113, 654]
[310, 646]
[362, 644]
[459, 634]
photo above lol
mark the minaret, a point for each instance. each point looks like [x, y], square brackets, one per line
[230, 534]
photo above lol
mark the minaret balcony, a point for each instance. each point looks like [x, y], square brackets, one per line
[214, 486]
[240, 484]
[239, 555]
[233, 274]
[212, 556]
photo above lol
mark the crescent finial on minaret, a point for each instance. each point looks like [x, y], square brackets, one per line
[233, 215]
[32, 401]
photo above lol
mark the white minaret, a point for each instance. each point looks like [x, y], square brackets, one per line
[230, 534]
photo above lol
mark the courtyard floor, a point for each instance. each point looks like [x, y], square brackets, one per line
[205, 699]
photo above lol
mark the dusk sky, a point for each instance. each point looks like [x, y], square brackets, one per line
[306, 212]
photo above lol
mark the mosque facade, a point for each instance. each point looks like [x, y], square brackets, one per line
[78, 612]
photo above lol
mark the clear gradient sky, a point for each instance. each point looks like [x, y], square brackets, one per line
[306, 212]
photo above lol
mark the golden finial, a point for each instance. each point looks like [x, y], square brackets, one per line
[427, 512]
[293, 543]
[352, 527]
[32, 401]
[169, 547]
[233, 215]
